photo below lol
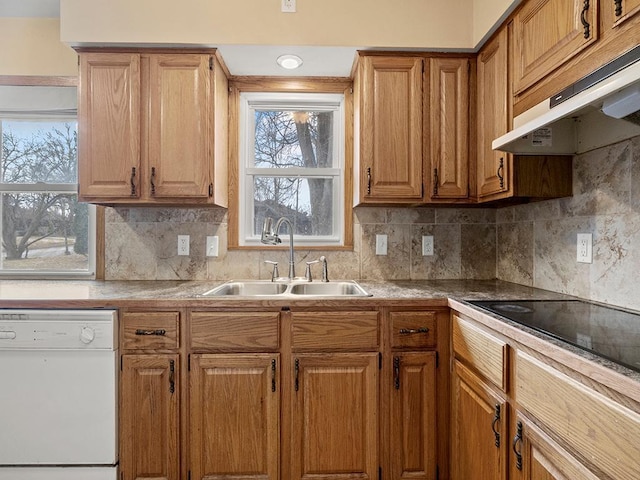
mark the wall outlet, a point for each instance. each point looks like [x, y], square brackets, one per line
[585, 248]
[183, 245]
[288, 6]
[427, 245]
[381, 244]
[212, 246]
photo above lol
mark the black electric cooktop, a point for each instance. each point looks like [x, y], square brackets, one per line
[608, 332]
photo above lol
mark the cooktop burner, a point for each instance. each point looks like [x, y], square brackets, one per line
[608, 332]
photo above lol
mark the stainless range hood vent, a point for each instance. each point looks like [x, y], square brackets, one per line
[583, 116]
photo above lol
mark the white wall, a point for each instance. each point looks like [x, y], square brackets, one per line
[438, 24]
[32, 46]
[488, 15]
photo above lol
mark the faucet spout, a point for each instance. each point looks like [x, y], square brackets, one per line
[271, 237]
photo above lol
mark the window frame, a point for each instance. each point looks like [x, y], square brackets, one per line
[95, 234]
[293, 87]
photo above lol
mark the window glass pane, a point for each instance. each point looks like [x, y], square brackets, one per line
[306, 202]
[285, 139]
[44, 231]
[39, 151]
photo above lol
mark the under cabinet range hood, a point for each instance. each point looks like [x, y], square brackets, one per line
[600, 109]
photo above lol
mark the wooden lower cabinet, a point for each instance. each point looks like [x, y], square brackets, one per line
[149, 413]
[334, 416]
[234, 416]
[413, 404]
[538, 457]
[479, 439]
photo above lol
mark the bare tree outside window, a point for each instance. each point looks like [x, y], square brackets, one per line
[43, 225]
[289, 140]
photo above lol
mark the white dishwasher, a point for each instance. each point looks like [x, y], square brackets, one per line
[58, 394]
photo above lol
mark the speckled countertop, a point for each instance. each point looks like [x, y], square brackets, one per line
[27, 292]
[180, 294]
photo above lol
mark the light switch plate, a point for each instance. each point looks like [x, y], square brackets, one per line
[427, 245]
[212, 246]
[381, 244]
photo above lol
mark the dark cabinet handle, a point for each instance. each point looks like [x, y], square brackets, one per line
[583, 19]
[517, 445]
[273, 375]
[172, 383]
[435, 181]
[496, 419]
[133, 181]
[153, 180]
[297, 373]
[396, 373]
[159, 333]
[411, 331]
[618, 4]
[500, 172]
[369, 181]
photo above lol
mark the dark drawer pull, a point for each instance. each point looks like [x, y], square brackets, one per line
[159, 333]
[411, 331]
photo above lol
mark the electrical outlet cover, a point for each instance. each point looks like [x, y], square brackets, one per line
[183, 245]
[585, 248]
[427, 245]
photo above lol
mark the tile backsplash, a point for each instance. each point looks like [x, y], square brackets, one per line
[532, 244]
[142, 245]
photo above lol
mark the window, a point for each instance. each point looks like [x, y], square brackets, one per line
[292, 165]
[45, 231]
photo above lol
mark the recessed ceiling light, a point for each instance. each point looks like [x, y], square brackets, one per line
[289, 61]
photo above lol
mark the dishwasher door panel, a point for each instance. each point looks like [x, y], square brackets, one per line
[58, 407]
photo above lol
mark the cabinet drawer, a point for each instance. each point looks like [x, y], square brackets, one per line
[150, 330]
[485, 353]
[334, 331]
[235, 331]
[602, 430]
[413, 329]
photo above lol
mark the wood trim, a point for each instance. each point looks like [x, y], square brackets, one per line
[39, 81]
[240, 84]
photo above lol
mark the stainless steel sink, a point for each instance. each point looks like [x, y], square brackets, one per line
[330, 289]
[247, 289]
[262, 288]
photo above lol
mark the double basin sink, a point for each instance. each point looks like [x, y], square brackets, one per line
[258, 288]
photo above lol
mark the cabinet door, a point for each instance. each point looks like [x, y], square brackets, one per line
[413, 447]
[493, 120]
[109, 126]
[623, 10]
[335, 416]
[547, 33]
[149, 413]
[234, 411]
[537, 457]
[448, 112]
[479, 441]
[180, 152]
[391, 129]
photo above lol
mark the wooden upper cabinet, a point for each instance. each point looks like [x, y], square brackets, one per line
[493, 115]
[389, 114]
[152, 128]
[547, 33]
[109, 125]
[180, 152]
[448, 115]
[623, 10]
